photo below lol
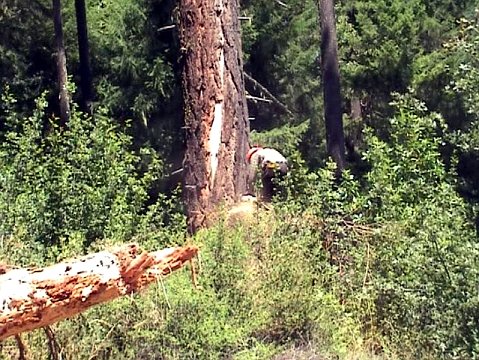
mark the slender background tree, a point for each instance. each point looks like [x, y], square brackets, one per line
[86, 98]
[61, 59]
[331, 83]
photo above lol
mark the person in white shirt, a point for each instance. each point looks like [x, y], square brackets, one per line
[271, 165]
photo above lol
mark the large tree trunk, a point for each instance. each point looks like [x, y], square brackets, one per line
[331, 83]
[30, 299]
[83, 50]
[62, 78]
[216, 119]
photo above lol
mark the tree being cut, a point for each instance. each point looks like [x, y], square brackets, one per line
[34, 298]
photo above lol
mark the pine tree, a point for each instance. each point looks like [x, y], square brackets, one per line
[216, 118]
[62, 76]
[331, 84]
[83, 50]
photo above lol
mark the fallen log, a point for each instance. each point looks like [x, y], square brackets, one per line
[34, 298]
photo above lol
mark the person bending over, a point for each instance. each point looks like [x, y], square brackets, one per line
[271, 165]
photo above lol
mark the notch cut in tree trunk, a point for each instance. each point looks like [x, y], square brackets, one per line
[30, 299]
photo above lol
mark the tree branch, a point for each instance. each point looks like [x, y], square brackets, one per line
[53, 346]
[166, 27]
[22, 351]
[266, 92]
[255, 98]
[30, 299]
[282, 4]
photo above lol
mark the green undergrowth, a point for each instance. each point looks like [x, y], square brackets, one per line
[260, 292]
[382, 266]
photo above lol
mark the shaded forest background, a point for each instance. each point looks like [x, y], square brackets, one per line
[382, 264]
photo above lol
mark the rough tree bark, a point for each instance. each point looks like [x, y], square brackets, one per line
[353, 139]
[331, 83]
[30, 299]
[86, 99]
[62, 78]
[216, 116]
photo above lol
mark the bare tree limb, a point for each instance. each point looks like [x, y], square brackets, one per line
[282, 4]
[166, 27]
[266, 92]
[22, 351]
[255, 98]
[52, 343]
[34, 298]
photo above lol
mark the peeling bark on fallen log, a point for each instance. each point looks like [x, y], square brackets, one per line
[31, 299]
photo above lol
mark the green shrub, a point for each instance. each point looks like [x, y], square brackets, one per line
[401, 240]
[423, 266]
[260, 292]
[65, 188]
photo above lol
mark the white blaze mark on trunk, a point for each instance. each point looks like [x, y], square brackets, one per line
[215, 139]
[217, 126]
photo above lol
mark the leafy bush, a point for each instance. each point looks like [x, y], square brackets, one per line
[260, 292]
[63, 189]
[401, 240]
[423, 263]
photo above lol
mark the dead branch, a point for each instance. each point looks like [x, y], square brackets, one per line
[22, 351]
[166, 27]
[53, 346]
[282, 4]
[34, 298]
[266, 92]
[255, 99]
